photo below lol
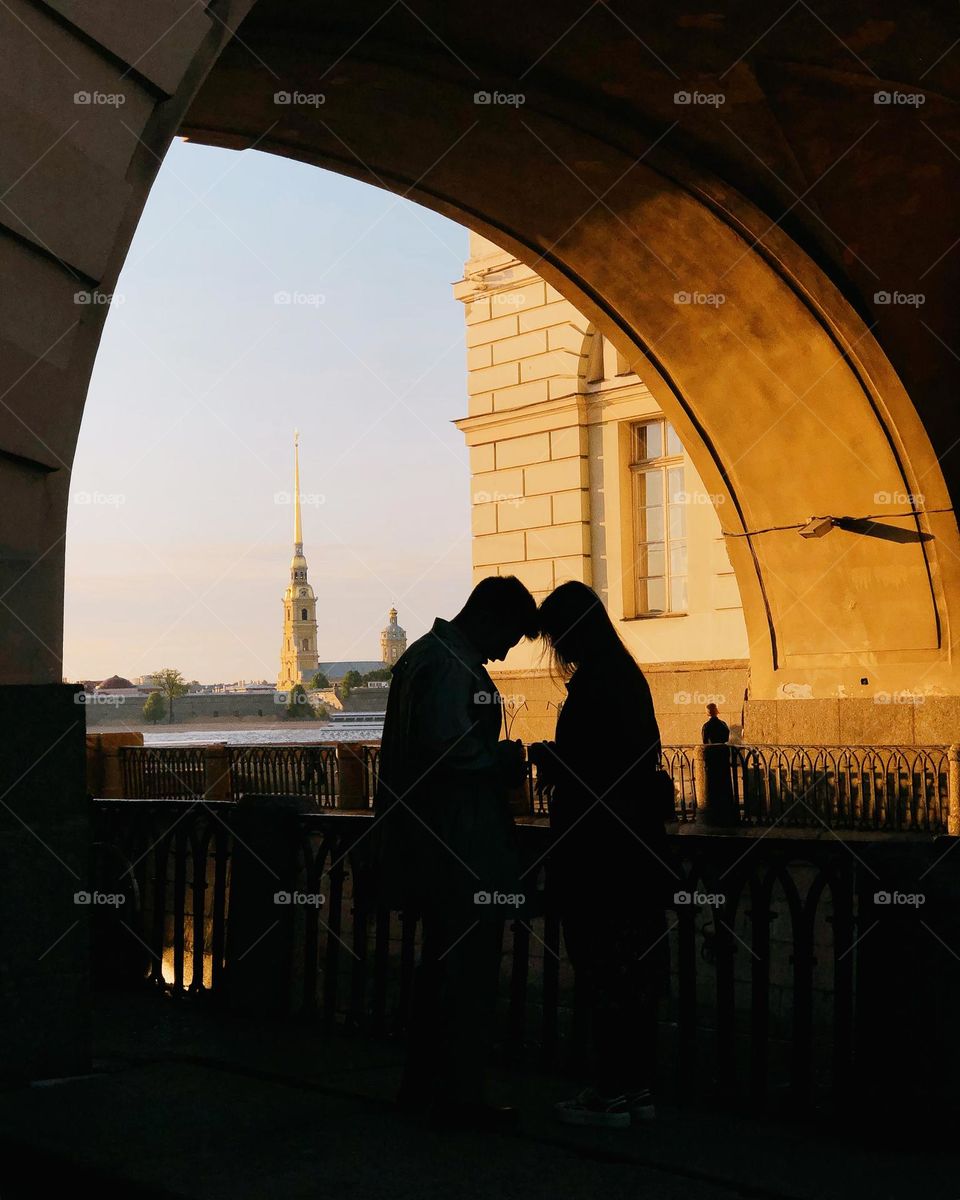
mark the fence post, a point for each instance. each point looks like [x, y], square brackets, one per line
[261, 944]
[953, 790]
[216, 772]
[700, 784]
[350, 774]
[716, 806]
[104, 769]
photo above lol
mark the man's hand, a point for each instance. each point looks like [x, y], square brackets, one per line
[512, 763]
[543, 756]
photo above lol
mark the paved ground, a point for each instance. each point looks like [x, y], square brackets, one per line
[185, 1102]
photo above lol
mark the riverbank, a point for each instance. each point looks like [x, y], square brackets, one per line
[213, 724]
[248, 732]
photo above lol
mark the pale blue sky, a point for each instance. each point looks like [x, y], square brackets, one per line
[177, 552]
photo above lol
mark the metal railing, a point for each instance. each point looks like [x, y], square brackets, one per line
[896, 789]
[163, 772]
[170, 860]
[779, 971]
[371, 773]
[308, 770]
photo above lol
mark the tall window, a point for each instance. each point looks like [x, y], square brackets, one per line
[660, 522]
[303, 614]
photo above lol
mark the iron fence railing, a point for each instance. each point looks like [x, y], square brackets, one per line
[170, 862]
[896, 789]
[371, 773]
[309, 771]
[784, 950]
[163, 772]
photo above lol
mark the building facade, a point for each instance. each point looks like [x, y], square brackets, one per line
[298, 648]
[575, 474]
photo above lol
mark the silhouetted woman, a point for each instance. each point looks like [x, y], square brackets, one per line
[608, 869]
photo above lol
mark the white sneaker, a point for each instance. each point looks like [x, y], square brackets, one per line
[641, 1106]
[590, 1108]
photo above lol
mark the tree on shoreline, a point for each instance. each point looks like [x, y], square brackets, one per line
[171, 684]
[155, 708]
[299, 707]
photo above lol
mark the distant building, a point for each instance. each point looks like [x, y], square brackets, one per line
[335, 671]
[578, 474]
[298, 649]
[393, 640]
[115, 683]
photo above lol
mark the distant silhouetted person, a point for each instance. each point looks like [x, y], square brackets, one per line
[608, 869]
[714, 730]
[444, 843]
[721, 805]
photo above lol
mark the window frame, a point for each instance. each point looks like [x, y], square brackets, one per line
[639, 468]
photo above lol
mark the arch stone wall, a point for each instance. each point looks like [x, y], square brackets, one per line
[801, 200]
[783, 395]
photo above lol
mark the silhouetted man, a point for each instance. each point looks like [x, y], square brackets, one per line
[444, 841]
[714, 730]
[721, 804]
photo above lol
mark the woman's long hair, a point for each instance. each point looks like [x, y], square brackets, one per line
[575, 625]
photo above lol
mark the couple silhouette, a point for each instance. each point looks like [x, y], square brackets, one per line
[444, 846]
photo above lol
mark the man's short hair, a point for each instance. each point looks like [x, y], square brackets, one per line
[505, 600]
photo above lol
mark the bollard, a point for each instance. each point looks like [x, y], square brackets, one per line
[216, 772]
[350, 773]
[261, 934]
[953, 790]
[716, 805]
[104, 769]
[700, 784]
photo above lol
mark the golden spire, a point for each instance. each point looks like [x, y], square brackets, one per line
[297, 531]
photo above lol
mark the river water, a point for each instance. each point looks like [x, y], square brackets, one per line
[280, 735]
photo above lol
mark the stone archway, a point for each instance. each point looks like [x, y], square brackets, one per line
[785, 397]
[806, 393]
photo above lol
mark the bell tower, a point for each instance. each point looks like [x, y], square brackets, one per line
[393, 640]
[298, 650]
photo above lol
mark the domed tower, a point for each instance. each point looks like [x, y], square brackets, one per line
[393, 641]
[298, 651]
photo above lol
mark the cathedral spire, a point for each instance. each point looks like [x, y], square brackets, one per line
[297, 530]
[298, 649]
